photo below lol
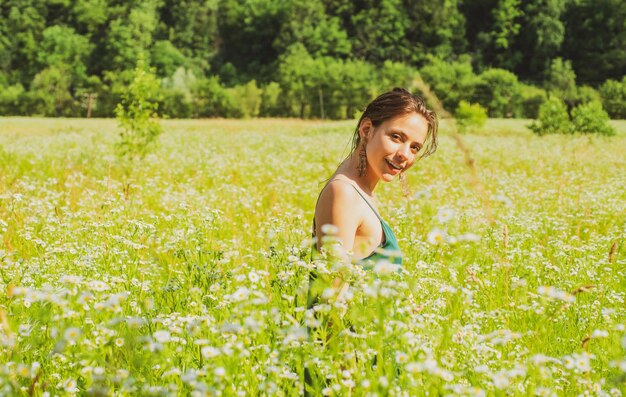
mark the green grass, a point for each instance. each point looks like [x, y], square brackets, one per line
[189, 272]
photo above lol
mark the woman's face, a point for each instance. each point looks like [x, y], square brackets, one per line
[392, 147]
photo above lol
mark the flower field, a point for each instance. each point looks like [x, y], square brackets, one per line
[188, 273]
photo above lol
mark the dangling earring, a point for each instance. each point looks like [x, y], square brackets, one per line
[362, 167]
[404, 185]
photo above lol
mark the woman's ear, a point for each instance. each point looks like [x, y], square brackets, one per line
[365, 128]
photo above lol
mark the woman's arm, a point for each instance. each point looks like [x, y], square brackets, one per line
[337, 206]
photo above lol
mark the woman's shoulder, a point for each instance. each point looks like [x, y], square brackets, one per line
[339, 189]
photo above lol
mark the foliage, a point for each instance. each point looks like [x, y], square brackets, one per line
[137, 114]
[49, 94]
[561, 81]
[11, 99]
[595, 39]
[553, 118]
[590, 118]
[212, 99]
[239, 41]
[531, 99]
[613, 95]
[499, 91]
[248, 98]
[452, 82]
[470, 116]
[271, 104]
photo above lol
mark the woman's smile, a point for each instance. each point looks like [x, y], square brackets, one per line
[396, 168]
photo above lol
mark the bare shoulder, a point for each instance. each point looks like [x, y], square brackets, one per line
[338, 193]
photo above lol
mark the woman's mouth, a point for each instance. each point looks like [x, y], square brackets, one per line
[394, 166]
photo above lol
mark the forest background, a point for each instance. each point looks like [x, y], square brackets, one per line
[309, 58]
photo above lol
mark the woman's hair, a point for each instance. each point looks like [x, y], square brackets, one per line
[398, 102]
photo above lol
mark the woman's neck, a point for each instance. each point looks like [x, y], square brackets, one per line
[349, 168]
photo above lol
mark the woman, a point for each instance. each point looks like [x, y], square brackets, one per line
[394, 131]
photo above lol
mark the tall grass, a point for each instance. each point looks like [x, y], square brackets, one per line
[191, 277]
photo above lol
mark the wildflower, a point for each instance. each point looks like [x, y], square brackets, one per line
[330, 230]
[401, 357]
[71, 335]
[568, 362]
[385, 267]
[209, 352]
[551, 292]
[599, 333]
[253, 277]
[219, 372]
[23, 371]
[70, 386]
[470, 237]
[500, 380]
[436, 237]
[422, 194]
[162, 336]
[98, 286]
[119, 342]
[241, 294]
[581, 363]
[445, 214]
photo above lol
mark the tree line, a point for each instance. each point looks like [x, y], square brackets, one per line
[309, 58]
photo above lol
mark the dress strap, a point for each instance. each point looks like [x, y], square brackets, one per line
[364, 199]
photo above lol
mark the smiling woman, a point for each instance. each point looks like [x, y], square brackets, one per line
[394, 131]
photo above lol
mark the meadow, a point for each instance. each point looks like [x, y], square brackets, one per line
[187, 273]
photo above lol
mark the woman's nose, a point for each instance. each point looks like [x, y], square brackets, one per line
[404, 152]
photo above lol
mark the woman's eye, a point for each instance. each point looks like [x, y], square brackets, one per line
[395, 136]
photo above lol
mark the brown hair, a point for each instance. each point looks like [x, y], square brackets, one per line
[395, 103]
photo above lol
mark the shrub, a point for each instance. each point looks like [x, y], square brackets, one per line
[590, 118]
[452, 82]
[470, 116]
[553, 118]
[561, 81]
[49, 93]
[211, 99]
[137, 114]
[175, 104]
[247, 98]
[499, 91]
[613, 95]
[271, 100]
[10, 99]
[531, 99]
[586, 94]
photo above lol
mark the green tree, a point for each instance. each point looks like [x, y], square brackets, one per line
[499, 91]
[380, 31]
[553, 118]
[541, 39]
[247, 30]
[561, 81]
[595, 39]
[23, 22]
[61, 46]
[613, 95]
[137, 114]
[131, 34]
[590, 118]
[49, 93]
[192, 28]
[451, 81]
[166, 58]
[309, 25]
